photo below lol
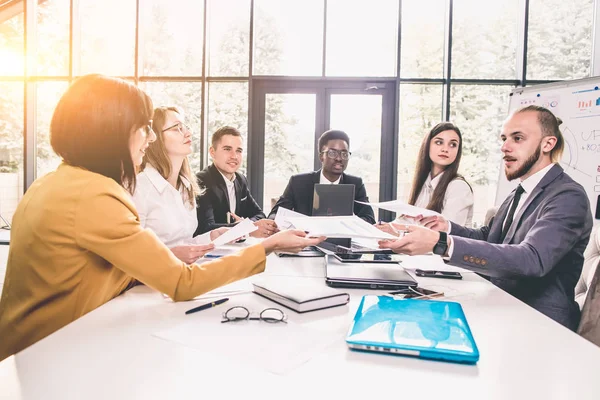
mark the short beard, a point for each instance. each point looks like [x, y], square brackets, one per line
[526, 166]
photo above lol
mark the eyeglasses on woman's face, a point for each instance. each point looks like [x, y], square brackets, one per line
[179, 126]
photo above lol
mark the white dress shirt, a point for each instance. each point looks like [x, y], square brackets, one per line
[325, 181]
[528, 185]
[162, 209]
[230, 191]
[458, 200]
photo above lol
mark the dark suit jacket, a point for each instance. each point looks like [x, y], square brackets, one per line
[541, 257]
[213, 204]
[298, 195]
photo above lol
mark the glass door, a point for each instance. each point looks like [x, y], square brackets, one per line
[288, 118]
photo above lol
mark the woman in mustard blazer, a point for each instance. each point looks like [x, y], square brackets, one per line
[76, 239]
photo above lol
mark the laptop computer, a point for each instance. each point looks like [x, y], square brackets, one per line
[333, 200]
[366, 275]
[429, 329]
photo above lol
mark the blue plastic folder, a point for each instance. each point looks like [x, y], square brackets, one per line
[421, 328]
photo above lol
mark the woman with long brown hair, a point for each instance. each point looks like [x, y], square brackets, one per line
[165, 195]
[76, 239]
[437, 185]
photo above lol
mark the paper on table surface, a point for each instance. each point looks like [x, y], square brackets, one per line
[339, 227]
[239, 230]
[401, 207]
[281, 218]
[277, 348]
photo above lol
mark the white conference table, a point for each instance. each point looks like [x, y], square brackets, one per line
[111, 353]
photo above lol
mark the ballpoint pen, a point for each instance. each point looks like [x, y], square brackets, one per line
[207, 306]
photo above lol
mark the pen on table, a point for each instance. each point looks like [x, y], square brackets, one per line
[207, 306]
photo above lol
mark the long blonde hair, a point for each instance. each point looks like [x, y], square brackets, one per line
[157, 156]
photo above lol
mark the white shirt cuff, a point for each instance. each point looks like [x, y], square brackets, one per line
[450, 249]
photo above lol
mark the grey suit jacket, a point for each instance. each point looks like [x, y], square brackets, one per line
[540, 259]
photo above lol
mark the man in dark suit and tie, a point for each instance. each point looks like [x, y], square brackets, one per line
[227, 199]
[334, 154]
[533, 247]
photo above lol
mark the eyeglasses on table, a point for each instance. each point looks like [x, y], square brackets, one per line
[241, 313]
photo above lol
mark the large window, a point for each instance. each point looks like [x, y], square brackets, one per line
[450, 60]
[53, 38]
[362, 37]
[11, 114]
[484, 39]
[171, 38]
[422, 39]
[105, 38]
[288, 37]
[228, 40]
[560, 44]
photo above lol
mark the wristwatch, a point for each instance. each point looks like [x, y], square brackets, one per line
[441, 246]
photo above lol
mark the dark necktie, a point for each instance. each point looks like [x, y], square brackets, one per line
[511, 212]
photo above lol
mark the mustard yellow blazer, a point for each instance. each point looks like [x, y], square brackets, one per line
[76, 243]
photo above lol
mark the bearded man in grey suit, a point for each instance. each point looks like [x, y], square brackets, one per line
[533, 247]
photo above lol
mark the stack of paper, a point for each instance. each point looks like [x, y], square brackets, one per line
[243, 228]
[401, 208]
[282, 216]
[339, 227]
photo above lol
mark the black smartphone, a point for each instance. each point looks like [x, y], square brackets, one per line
[368, 258]
[438, 274]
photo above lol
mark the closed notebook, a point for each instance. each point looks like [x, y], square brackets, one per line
[300, 295]
[422, 328]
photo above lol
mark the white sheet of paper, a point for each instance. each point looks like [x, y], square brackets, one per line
[401, 207]
[281, 218]
[339, 227]
[367, 243]
[243, 228]
[277, 348]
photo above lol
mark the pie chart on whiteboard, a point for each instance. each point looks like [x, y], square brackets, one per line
[569, 158]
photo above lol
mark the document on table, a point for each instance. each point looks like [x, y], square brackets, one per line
[281, 218]
[243, 228]
[278, 347]
[401, 208]
[339, 227]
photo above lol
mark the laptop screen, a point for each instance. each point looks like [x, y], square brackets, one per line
[333, 200]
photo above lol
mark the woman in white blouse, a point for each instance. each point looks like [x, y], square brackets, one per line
[436, 184]
[165, 195]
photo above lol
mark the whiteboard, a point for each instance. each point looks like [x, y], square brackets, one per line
[577, 103]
